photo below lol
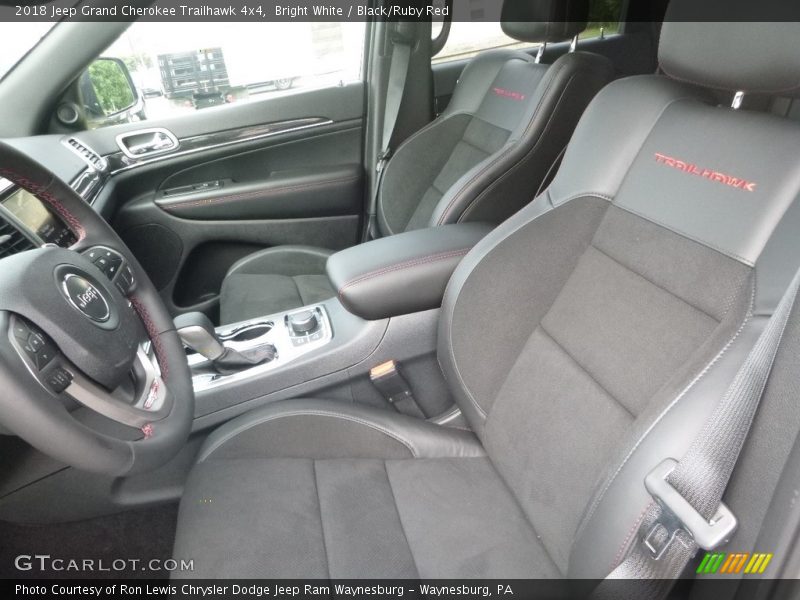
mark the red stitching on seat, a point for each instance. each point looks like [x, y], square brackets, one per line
[41, 192]
[634, 528]
[152, 333]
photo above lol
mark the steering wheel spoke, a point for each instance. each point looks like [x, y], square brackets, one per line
[150, 402]
[142, 400]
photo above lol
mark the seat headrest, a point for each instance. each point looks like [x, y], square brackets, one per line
[544, 20]
[739, 55]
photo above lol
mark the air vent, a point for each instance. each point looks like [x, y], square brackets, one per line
[12, 241]
[86, 153]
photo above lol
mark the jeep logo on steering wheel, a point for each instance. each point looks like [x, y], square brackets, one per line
[85, 297]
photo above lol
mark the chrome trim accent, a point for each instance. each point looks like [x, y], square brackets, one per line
[88, 184]
[149, 149]
[202, 143]
[151, 402]
[74, 303]
[540, 53]
[74, 150]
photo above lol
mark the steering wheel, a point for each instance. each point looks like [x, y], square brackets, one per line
[92, 371]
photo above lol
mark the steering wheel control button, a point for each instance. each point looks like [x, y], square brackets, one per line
[45, 355]
[85, 297]
[105, 259]
[36, 342]
[59, 379]
[21, 331]
[39, 348]
[125, 280]
[31, 352]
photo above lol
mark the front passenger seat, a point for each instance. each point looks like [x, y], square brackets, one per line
[585, 340]
[482, 159]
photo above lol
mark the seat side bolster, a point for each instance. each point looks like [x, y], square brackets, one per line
[503, 179]
[249, 435]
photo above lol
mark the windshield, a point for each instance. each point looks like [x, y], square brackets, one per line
[16, 39]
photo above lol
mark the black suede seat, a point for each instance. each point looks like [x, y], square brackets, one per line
[482, 159]
[586, 339]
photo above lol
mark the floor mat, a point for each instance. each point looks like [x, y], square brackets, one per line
[120, 546]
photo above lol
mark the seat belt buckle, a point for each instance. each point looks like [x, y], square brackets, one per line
[677, 514]
[390, 382]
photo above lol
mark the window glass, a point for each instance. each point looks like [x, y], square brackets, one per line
[604, 15]
[16, 39]
[180, 68]
[467, 38]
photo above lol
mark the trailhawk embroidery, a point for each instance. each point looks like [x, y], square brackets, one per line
[692, 169]
[504, 93]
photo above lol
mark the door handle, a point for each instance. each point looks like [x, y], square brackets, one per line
[144, 143]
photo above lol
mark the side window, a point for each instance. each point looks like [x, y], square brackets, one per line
[180, 68]
[466, 38]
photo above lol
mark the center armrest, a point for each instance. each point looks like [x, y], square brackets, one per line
[403, 273]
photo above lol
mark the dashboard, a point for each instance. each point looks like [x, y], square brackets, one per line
[29, 211]
[25, 221]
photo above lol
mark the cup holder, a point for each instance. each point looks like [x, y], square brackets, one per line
[248, 333]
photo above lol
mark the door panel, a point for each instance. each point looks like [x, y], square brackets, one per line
[283, 170]
[283, 194]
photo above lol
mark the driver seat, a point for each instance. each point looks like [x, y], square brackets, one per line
[585, 340]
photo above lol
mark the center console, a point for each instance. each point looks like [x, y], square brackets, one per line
[386, 309]
[291, 335]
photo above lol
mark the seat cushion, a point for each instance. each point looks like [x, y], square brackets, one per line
[274, 280]
[362, 493]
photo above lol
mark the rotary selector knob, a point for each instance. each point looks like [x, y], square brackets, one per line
[303, 322]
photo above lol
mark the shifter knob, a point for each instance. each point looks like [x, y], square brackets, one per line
[197, 331]
[303, 322]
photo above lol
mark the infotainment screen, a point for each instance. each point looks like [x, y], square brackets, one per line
[32, 213]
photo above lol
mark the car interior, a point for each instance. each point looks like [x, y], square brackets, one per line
[528, 313]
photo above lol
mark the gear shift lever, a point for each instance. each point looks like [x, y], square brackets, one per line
[197, 331]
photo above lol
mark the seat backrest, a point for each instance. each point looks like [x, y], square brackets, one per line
[509, 120]
[589, 336]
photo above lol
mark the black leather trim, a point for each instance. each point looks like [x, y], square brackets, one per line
[403, 273]
[423, 439]
[283, 260]
[297, 193]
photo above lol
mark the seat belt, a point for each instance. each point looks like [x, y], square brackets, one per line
[402, 42]
[687, 513]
